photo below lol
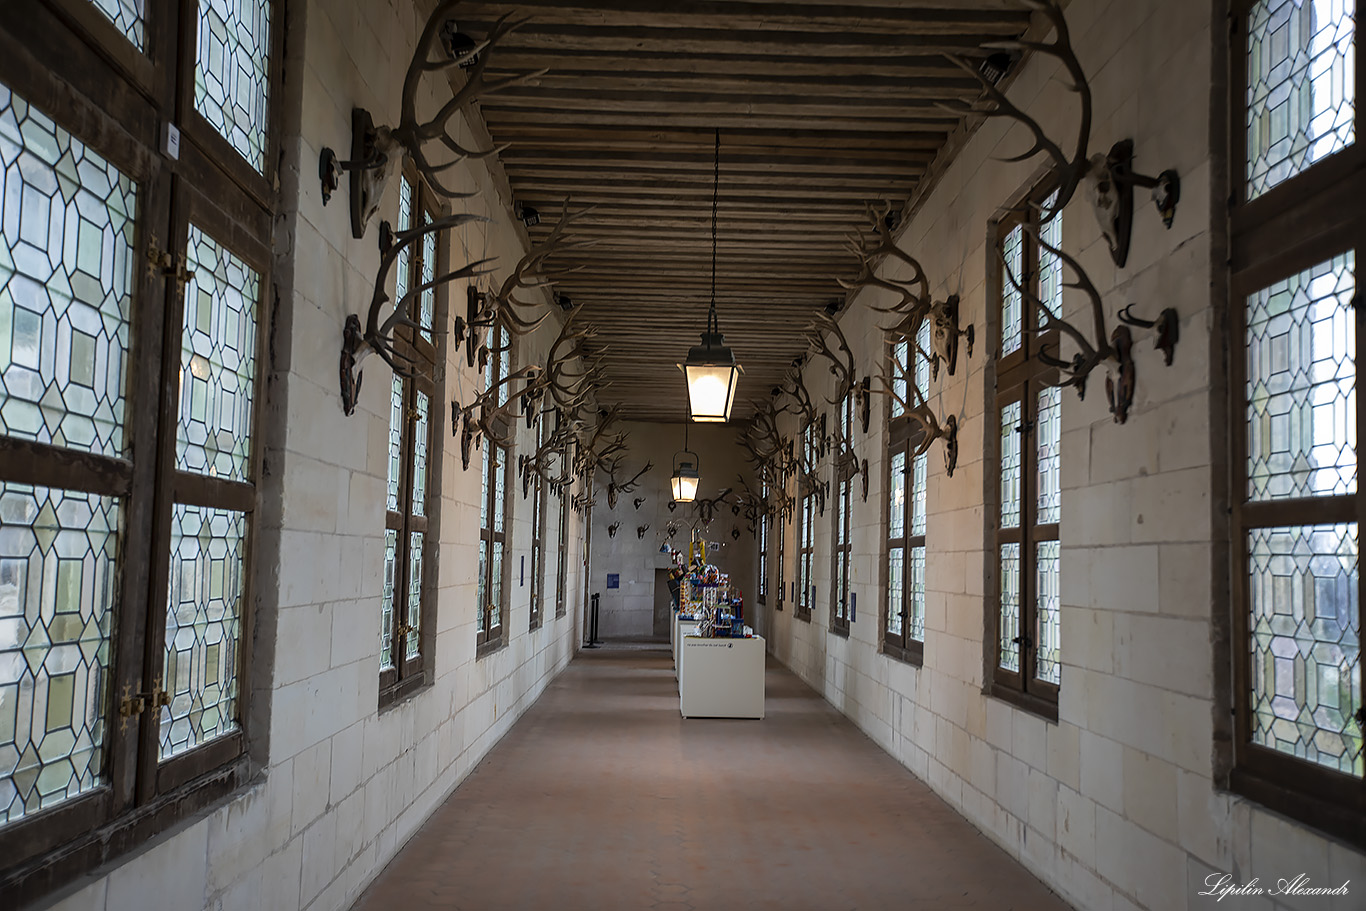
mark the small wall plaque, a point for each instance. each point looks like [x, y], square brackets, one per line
[614, 580]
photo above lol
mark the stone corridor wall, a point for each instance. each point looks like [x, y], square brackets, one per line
[1115, 804]
[342, 785]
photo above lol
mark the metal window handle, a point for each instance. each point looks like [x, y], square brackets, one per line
[1024, 641]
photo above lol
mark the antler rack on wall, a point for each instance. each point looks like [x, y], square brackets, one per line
[1109, 179]
[917, 409]
[1115, 348]
[374, 150]
[486, 309]
[378, 334]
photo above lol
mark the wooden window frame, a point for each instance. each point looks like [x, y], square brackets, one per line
[408, 675]
[69, 62]
[1019, 377]
[562, 547]
[1301, 222]
[806, 535]
[841, 532]
[538, 506]
[489, 637]
[780, 535]
[904, 436]
[761, 540]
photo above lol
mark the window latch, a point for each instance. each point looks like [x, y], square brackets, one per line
[162, 263]
[1360, 717]
[133, 704]
[1024, 427]
[1023, 641]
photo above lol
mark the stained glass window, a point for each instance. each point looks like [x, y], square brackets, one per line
[1010, 465]
[916, 612]
[1301, 384]
[427, 310]
[217, 362]
[1306, 648]
[1301, 98]
[920, 486]
[420, 433]
[231, 75]
[897, 513]
[403, 262]
[493, 508]
[1010, 607]
[1012, 303]
[1049, 457]
[1050, 264]
[203, 626]
[395, 441]
[908, 484]
[386, 614]
[414, 593]
[66, 266]
[58, 573]
[128, 17]
[1048, 603]
[896, 558]
[901, 353]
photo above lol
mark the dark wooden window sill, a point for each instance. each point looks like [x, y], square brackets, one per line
[1334, 817]
[1044, 708]
[401, 691]
[841, 631]
[802, 613]
[488, 648]
[914, 655]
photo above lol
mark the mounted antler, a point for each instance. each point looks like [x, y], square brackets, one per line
[1110, 178]
[613, 488]
[378, 335]
[375, 149]
[489, 413]
[1093, 351]
[841, 361]
[530, 272]
[1067, 170]
[913, 294]
[915, 407]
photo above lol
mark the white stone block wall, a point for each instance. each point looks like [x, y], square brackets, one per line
[1114, 805]
[629, 610]
[343, 784]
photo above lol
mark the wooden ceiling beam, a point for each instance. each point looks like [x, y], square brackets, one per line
[501, 118]
[904, 66]
[905, 18]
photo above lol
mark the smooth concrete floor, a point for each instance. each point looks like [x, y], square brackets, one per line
[602, 797]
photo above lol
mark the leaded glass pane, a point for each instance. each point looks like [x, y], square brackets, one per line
[420, 456]
[203, 626]
[395, 441]
[1010, 465]
[922, 359]
[484, 491]
[895, 589]
[896, 511]
[66, 249]
[386, 610]
[1008, 648]
[231, 75]
[428, 307]
[916, 608]
[496, 587]
[128, 17]
[901, 354]
[504, 364]
[919, 490]
[414, 593]
[1306, 648]
[1048, 604]
[1301, 98]
[1050, 264]
[1049, 435]
[500, 460]
[58, 578]
[404, 261]
[1301, 384]
[482, 599]
[217, 362]
[1012, 304]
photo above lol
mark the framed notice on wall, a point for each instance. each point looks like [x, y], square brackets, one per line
[614, 580]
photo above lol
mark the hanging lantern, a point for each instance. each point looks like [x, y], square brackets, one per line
[685, 478]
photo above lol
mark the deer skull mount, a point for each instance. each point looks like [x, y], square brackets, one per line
[641, 529]
[636, 503]
[1110, 183]
[863, 401]
[378, 335]
[374, 150]
[1109, 179]
[612, 529]
[944, 335]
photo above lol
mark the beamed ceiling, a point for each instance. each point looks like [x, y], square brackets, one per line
[822, 107]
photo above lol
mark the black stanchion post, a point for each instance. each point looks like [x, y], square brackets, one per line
[593, 621]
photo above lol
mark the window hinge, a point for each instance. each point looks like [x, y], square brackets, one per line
[134, 703]
[162, 263]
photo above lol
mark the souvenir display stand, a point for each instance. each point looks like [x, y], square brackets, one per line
[718, 660]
